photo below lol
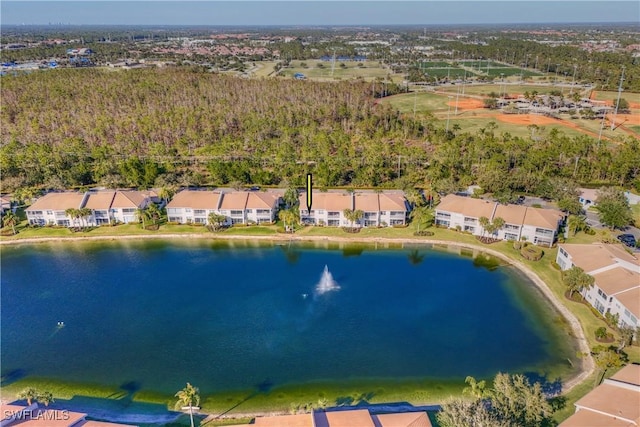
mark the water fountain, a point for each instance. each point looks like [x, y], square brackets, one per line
[326, 283]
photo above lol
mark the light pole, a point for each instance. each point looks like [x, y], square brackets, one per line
[448, 113]
[615, 112]
[575, 67]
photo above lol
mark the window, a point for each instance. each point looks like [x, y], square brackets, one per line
[627, 312]
[49, 212]
[443, 215]
[187, 210]
[334, 215]
[469, 229]
[236, 212]
[174, 219]
[544, 232]
[200, 220]
[564, 253]
[510, 236]
[36, 212]
[442, 222]
[236, 220]
[511, 227]
[199, 212]
[173, 210]
[128, 210]
[468, 219]
[320, 211]
[263, 211]
[602, 294]
[333, 223]
[599, 307]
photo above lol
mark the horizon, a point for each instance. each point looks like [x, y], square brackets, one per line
[316, 13]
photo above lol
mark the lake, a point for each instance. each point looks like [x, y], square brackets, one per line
[231, 315]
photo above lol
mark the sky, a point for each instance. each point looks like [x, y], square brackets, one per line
[322, 12]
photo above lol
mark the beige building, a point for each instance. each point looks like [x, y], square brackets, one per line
[616, 289]
[239, 207]
[536, 225]
[346, 418]
[614, 403]
[106, 207]
[379, 209]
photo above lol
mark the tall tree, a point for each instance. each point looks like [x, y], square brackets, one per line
[10, 220]
[484, 223]
[190, 397]
[216, 221]
[422, 217]
[613, 208]
[576, 223]
[353, 216]
[29, 394]
[576, 279]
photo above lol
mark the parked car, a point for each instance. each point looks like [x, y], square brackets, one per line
[628, 239]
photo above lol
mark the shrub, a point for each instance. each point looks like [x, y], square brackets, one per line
[351, 229]
[423, 233]
[518, 245]
[532, 253]
[555, 265]
[601, 333]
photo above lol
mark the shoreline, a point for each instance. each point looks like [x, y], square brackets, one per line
[587, 364]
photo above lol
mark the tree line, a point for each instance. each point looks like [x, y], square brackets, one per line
[142, 128]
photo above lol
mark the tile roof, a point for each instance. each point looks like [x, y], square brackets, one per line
[57, 202]
[367, 202]
[128, 199]
[591, 257]
[608, 398]
[100, 200]
[406, 419]
[195, 200]
[299, 420]
[629, 374]
[330, 201]
[585, 417]
[631, 300]
[234, 200]
[350, 418]
[616, 280]
[512, 214]
[392, 202]
[262, 200]
[545, 218]
[467, 206]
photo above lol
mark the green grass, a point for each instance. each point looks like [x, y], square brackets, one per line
[433, 64]
[369, 71]
[424, 102]
[484, 90]
[496, 72]
[483, 64]
[444, 72]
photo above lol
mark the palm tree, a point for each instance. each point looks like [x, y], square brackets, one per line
[165, 194]
[216, 221]
[29, 394]
[576, 223]
[475, 389]
[497, 224]
[188, 396]
[84, 213]
[575, 278]
[142, 215]
[353, 215]
[422, 216]
[288, 216]
[45, 397]
[10, 219]
[153, 212]
[484, 223]
[73, 213]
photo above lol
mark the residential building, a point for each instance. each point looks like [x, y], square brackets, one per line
[379, 209]
[190, 206]
[5, 204]
[344, 418]
[239, 207]
[50, 209]
[587, 197]
[614, 403]
[100, 204]
[106, 207]
[126, 203]
[616, 288]
[536, 225]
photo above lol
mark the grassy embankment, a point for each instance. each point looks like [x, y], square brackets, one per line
[284, 398]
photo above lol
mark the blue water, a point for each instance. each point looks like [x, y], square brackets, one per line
[229, 318]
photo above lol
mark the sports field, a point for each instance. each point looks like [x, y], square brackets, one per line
[469, 114]
[316, 69]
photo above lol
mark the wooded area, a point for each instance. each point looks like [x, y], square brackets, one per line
[175, 127]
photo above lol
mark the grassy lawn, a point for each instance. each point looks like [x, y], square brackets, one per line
[369, 70]
[484, 90]
[425, 102]
[263, 68]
